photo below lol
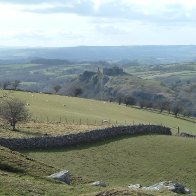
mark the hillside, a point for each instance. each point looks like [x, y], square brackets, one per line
[60, 112]
[119, 162]
[23, 175]
[152, 81]
[100, 85]
[145, 159]
[166, 86]
[13, 161]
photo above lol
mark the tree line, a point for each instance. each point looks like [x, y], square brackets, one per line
[13, 85]
[161, 104]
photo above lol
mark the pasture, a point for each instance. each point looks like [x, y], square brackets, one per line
[55, 114]
[144, 159]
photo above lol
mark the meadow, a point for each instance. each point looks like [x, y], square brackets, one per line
[23, 175]
[127, 160]
[145, 160]
[55, 114]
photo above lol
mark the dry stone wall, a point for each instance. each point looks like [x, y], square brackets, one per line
[48, 142]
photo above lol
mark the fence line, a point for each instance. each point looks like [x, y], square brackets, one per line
[95, 122]
[81, 121]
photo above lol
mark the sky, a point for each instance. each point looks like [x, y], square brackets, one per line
[63, 23]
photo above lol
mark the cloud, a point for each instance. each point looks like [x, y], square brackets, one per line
[32, 2]
[109, 30]
[83, 8]
[149, 11]
[97, 22]
[165, 12]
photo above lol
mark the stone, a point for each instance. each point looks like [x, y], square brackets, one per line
[134, 186]
[99, 183]
[165, 185]
[63, 176]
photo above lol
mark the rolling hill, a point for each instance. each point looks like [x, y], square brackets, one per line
[73, 110]
[144, 159]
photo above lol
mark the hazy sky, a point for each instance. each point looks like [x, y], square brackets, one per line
[97, 22]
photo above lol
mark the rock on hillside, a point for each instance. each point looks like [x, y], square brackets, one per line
[166, 185]
[62, 176]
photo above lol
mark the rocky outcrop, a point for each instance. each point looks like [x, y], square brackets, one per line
[48, 142]
[62, 176]
[114, 71]
[166, 185]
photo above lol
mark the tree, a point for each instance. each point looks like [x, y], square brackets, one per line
[15, 84]
[163, 105]
[177, 108]
[57, 88]
[77, 91]
[129, 100]
[13, 110]
[119, 100]
[5, 85]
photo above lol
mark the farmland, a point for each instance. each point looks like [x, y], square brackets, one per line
[55, 114]
[155, 77]
[144, 159]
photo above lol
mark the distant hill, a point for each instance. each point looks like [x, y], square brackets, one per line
[142, 54]
[112, 84]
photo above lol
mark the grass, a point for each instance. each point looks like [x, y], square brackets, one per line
[72, 110]
[22, 175]
[15, 162]
[17, 184]
[146, 160]
[36, 129]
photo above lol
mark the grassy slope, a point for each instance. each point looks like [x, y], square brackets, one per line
[15, 162]
[22, 175]
[55, 107]
[145, 160]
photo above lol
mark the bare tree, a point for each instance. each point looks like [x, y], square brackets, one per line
[13, 110]
[57, 88]
[129, 100]
[15, 84]
[163, 105]
[5, 84]
[177, 108]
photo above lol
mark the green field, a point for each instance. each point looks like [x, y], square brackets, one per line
[56, 108]
[145, 159]
[127, 160]
[23, 175]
